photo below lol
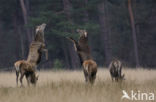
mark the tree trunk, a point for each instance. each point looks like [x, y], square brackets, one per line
[67, 9]
[21, 42]
[65, 52]
[73, 56]
[103, 19]
[86, 18]
[16, 32]
[25, 17]
[133, 33]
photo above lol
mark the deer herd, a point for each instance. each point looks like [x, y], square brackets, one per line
[28, 67]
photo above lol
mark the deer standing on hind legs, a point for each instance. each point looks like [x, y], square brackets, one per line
[28, 67]
[115, 69]
[39, 37]
[83, 51]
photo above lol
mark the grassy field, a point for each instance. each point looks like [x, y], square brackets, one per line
[69, 86]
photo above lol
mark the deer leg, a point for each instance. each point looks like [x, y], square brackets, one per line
[112, 78]
[17, 75]
[86, 75]
[74, 42]
[119, 73]
[93, 77]
[90, 79]
[28, 79]
[116, 79]
[21, 78]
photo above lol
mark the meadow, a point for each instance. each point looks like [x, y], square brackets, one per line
[69, 86]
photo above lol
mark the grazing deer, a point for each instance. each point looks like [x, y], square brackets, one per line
[25, 68]
[115, 69]
[83, 51]
[28, 67]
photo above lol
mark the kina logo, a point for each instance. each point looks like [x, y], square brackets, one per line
[137, 95]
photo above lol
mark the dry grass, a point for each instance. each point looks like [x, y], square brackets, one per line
[69, 86]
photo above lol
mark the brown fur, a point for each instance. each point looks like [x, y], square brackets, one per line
[90, 69]
[81, 47]
[25, 68]
[39, 36]
[115, 69]
[37, 46]
[35, 52]
[83, 51]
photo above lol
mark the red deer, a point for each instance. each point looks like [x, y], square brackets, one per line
[39, 37]
[81, 47]
[115, 69]
[83, 51]
[90, 69]
[28, 67]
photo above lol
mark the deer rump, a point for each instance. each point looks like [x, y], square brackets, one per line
[82, 48]
[90, 70]
[25, 68]
[115, 69]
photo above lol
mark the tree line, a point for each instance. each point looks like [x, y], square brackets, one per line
[117, 29]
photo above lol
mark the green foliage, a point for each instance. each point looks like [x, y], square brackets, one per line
[57, 64]
[59, 27]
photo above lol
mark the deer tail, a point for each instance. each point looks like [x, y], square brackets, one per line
[17, 66]
[87, 68]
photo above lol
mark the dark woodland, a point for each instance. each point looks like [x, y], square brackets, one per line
[117, 29]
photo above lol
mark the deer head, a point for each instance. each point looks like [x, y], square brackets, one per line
[34, 79]
[40, 28]
[39, 36]
[83, 33]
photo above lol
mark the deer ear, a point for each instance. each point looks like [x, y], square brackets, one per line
[37, 29]
[44, 24]
[85, 33]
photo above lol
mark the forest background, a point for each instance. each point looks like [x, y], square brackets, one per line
[122, 29]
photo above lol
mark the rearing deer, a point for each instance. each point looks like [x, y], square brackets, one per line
[28, 67]
[39, 37]
[83, 51]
